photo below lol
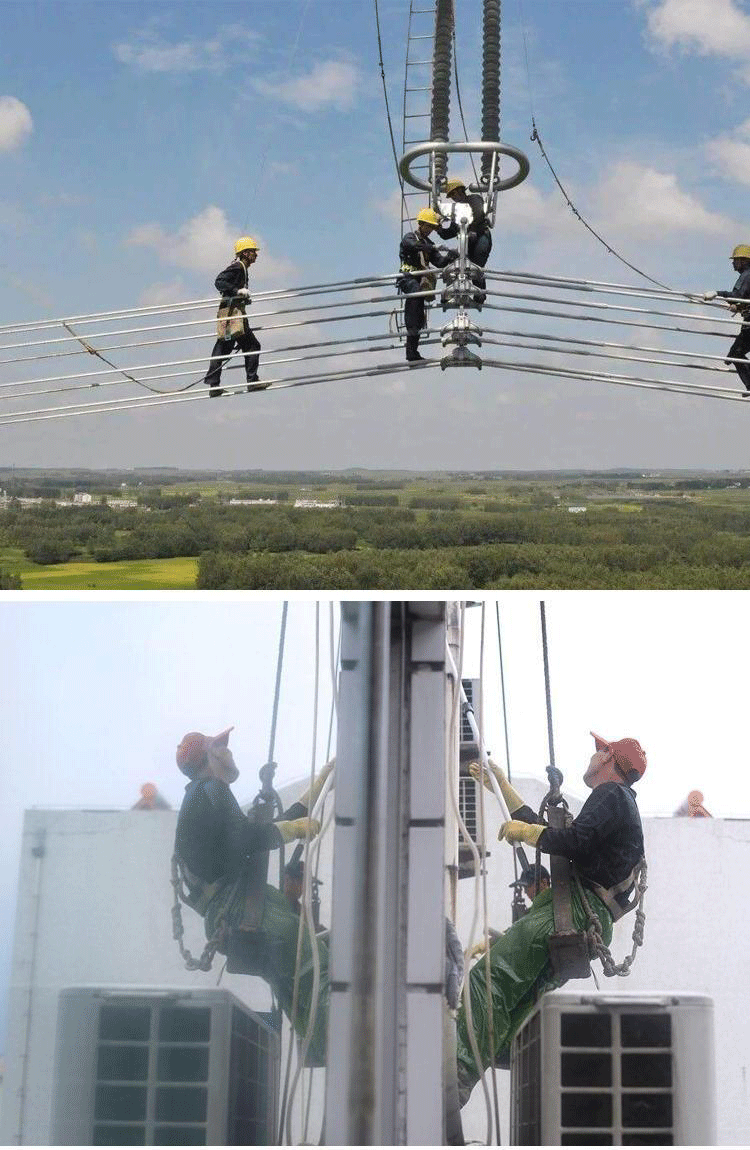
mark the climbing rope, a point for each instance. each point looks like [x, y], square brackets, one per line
[485, 909]
[456, 672]
[597, 945]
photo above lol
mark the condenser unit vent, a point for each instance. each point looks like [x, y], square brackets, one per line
[614, 1071]
[163, 1069]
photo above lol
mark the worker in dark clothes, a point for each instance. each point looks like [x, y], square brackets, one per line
[416, 253]
[232, 328]
[532, 883]
[214, 838]
[605, 845]
[215, 844]
[479, 238]
[740, 291]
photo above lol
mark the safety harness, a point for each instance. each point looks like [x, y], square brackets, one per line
[571, 950]
[248, 948]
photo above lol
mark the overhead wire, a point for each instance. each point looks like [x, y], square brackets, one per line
[536, 138]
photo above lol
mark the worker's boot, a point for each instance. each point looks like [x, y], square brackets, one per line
[412, 347]
[254, 384]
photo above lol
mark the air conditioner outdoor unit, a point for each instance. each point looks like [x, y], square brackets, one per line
[614, 1070]
[136, 1066]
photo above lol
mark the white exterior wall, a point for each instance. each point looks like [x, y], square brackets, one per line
[104, 917]
[697, 939]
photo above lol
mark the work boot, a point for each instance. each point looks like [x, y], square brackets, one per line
[253, 384]
[412, 346]
[215, 391]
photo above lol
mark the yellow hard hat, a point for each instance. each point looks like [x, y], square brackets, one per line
[246, 244]
[453, 185]
[741, 252]
[427, 216]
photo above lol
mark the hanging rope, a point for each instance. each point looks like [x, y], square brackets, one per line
[485, 910]
[465, 994]
[597, 945]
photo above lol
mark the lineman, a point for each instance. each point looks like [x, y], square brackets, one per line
[416, 253]
[479, 243]
[741, 290]
[232, 328]
[605, 844]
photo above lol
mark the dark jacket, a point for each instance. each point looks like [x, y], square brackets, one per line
[741, 290]
[232, 279]
[478, 225]
[214, 837]
[420, 253]
[605, 841]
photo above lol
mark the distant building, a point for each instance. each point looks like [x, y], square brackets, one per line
[316, 503]
[250, 502]
[576, 510]
[82, 497]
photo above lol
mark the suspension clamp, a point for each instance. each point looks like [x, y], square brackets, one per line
[461, 357]
[463, 288]
[461, 331]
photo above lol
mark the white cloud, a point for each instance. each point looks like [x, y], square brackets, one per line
[731, 154]
[15, 123]
[329, 84]
[147, 51]
[205, 243]
[162, 293]
[634, 199]
[707, 27]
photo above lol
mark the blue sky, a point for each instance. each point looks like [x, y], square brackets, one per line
[95, 696]
[138, 139]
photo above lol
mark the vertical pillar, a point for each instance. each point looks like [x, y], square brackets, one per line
[385, 1063]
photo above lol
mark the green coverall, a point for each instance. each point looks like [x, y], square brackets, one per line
[520, 972]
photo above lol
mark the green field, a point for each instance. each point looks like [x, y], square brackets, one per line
[132, 575]
[378, 530]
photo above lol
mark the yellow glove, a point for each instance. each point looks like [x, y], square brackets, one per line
[519, 832]
[476, 950]
[310, 797]
[513, 800]
[298, 829]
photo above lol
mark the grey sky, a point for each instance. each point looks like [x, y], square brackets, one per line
[96, 695]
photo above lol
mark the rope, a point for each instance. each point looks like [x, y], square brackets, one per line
[466, 996]
[597, 946]
[505, 720]
[547, 693]
[178, 930]
[404, 204]
[305, 921]
[277, 688]
[535, 136]
[485, 912]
